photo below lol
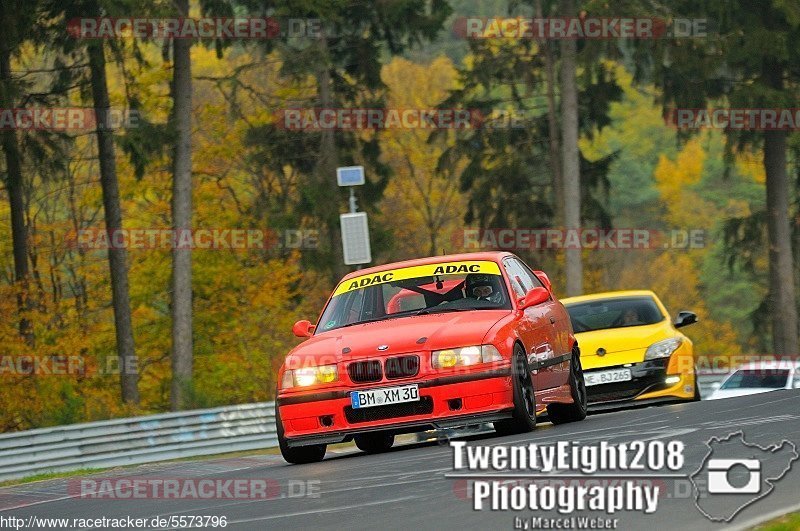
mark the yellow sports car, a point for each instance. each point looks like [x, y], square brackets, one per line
[631, 350]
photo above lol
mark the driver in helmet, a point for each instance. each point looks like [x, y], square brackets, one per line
[484, 287]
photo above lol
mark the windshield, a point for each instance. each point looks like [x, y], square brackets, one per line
[757, 379]
[416, 290]
[613, 313]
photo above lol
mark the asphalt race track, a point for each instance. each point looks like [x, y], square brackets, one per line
[407, 487]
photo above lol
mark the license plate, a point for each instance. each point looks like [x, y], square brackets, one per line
[385, 396]
[604, 377]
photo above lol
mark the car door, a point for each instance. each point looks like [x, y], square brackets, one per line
[536, 329]
[527, 325]
[558, 334]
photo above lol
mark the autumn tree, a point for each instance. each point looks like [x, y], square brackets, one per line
[342, 61]
[748, 60]
[181, 213]
[509, 178]
[95, 52]
[16, 21]
[570, 166]
[420, 203]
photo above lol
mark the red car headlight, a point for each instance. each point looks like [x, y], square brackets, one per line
[464, 356]
[309, 376]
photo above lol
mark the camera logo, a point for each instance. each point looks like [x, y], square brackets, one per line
[735, 474]
[719, 483]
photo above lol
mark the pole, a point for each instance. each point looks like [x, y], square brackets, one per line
[353, 206]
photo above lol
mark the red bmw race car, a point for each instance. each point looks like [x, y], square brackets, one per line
[424, 344]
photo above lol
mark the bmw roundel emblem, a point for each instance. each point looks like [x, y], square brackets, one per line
[383, 347]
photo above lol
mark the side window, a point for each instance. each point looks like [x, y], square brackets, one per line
[533, 278]
[518, 270]
[517, 277]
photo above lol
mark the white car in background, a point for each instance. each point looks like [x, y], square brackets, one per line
[758, 377]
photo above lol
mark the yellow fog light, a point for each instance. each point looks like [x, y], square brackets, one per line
[444, 359]
[326, 373]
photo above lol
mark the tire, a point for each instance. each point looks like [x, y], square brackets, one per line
[300, 455]
[524, 417]
[563, 413]
[374, 443]
[696, 397]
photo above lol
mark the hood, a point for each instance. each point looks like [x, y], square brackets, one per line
[621, 345]
[730, 393]
[443, 330]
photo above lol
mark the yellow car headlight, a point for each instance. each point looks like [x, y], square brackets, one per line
[663, 348]
[309, 376]
[464, 356]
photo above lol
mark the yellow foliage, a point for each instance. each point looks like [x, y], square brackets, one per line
[673, 277]
[685, 208]
[423, 207]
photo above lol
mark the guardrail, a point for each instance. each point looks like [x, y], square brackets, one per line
[137, 440]
[706, 381]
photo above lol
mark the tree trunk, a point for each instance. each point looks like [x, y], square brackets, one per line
[552, 124]
[16, 200]
[182, 361]
[325, 171]
[782, 302]
[117, 258]
[571, 161]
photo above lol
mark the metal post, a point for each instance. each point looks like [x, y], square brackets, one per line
[353, 206]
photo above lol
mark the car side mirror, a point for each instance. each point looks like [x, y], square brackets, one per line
[534, 297]
[544, 279]
[685, 318]
[303, 328]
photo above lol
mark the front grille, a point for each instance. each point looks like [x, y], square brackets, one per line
[365, 371]
[620, 393]
[647, 376]
[402, 367]
[423, 406]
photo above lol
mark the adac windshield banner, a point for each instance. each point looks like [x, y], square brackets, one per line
[403, 273]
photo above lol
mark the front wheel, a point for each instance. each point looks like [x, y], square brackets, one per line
[301, 454]
[524, 416]
[563, 413]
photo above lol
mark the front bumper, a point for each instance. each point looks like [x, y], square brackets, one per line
[648, 383]
[326, 417]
